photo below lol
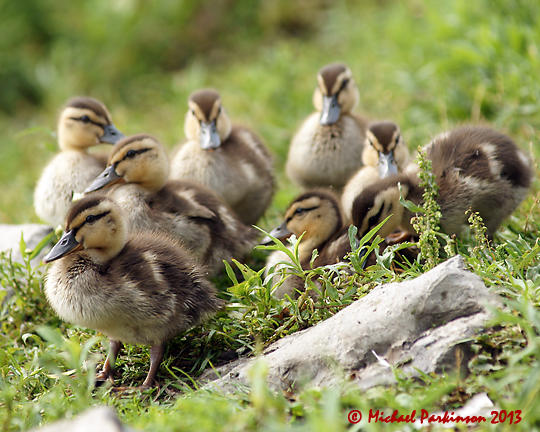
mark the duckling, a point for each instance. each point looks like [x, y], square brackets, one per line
[84, 122]
[141, 288]
[231, 160]
[316, 213]
[327, 149]
[385, 153]
[474, 167]
[137, 174]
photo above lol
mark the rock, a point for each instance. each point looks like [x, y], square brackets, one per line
[10, 236]
[417, 324]
[97, 419]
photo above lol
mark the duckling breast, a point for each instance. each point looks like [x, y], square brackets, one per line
[67, 173]
[211, 168]
[72, 288]
[325, 155]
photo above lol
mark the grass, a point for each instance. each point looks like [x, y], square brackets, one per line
[427, 65]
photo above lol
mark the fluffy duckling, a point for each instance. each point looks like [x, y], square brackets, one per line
[141, 288]
[327, 149]
[84, 122]
[136, 177]
[385, 154]
[474, 167]
[229, 159]
[317, 214]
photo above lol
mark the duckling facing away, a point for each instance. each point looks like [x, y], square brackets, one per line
[327, 149]
[385, 154]
[137, 174]
[474, 167]
[229, 159]
[83, 123]
[141, 288]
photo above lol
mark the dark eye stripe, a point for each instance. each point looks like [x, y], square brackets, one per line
[132, 153]
[300, 210]
[343, 85]
[303, 210]
[101, 125]
[96, 217]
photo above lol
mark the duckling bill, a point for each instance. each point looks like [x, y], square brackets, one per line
[141, 288]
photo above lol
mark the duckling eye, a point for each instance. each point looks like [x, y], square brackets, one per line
[371, 143]
[131, 153]
[397, 139]
[85, 119]
[91, 219]
[299, 211]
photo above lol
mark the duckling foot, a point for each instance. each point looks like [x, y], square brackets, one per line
[106, 373]
[156, 355]
[102, 377]
[130, 389]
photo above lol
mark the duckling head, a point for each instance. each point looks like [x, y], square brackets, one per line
[85, 122]
[138, 159]
[377, 202]
[335, 94]
[316, 214]
[94, 224]
[206, 120]
[385, 148]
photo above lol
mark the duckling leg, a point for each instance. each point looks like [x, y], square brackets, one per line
[156, 355]
[106, 372]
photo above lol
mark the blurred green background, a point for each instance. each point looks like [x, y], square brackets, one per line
[429, 65]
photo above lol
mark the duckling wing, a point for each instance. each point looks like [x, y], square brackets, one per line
[253, 148]
[334, 249]
[161, 287]
[216, 233]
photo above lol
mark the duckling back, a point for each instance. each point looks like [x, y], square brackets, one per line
[478, 168]
[475, 168]
[207, 225]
